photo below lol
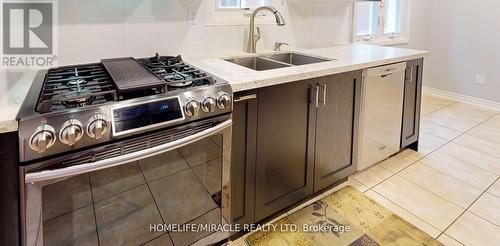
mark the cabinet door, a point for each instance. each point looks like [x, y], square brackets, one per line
[284, 167]
[243, 140]
[335, 128]
[411, 105]
[9, 189]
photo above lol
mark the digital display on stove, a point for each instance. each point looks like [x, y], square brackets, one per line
[148, 114]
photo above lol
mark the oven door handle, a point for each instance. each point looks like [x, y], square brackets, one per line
[119, 160]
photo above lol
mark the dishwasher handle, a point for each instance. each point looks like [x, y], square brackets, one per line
[385, 71]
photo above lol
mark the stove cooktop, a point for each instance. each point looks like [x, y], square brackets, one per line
[175, 72]
[94, 84]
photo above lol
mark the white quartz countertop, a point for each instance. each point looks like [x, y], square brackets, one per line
[347, 58]
[344, 58]
[19, 83]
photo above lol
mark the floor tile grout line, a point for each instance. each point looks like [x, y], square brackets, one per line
[482, 194]
[412, 163]
[456, 240]
[440, 147]
[467, 210]
[439, 195]
[487, 191]
[482, 152]
[464, 133]
[392, 174]
[467, 164]
[449, 141]
[397, 205]
[397, 173]
[477, 124]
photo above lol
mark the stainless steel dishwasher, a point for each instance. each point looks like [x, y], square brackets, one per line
[381, 114]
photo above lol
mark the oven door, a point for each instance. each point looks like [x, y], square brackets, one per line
[129, 192]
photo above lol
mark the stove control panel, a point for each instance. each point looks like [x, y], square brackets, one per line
[58, 132]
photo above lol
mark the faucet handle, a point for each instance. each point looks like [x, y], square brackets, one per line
[277, 46]
[257, 35]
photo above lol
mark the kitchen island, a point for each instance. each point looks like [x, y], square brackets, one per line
[297, 129]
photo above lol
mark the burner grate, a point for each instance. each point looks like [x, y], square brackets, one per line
[175, 72]
[75, 86]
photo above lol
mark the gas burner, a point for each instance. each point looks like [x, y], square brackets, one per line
[180, 85]
[175, 72]
[77, 82]
[79, 102]
[75, 86]
[161, 61]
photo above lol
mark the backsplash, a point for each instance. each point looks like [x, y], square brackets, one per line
[89, 30]
[92, 29]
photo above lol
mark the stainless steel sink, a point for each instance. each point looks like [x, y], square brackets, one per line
[257, 63]
[275, 61]
[295, 59]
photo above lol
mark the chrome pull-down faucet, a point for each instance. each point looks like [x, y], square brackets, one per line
[252, 37]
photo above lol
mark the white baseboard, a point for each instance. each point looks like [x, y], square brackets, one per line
[462, 98]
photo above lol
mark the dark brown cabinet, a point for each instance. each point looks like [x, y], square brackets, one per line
[244, 139]
[285, 144]
[9, 189]
[411, 104]
[293, 140]
[335, 135]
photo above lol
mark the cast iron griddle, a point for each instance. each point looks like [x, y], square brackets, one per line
[129, 75]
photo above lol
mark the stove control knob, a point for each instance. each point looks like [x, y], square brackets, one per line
[192, 108]
[43, 138]
[71, 132]
[224, 100]
[208, 104]
[97, 126]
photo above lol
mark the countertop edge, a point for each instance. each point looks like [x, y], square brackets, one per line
[238, 87]
[11, 125]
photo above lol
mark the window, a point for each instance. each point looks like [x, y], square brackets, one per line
[381, 22]
[240, 4]
[237, 12]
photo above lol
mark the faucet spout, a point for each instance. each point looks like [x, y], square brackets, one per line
[252, 37]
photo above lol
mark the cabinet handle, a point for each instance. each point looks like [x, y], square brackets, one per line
[317, 96]
[245, 98]
[411, 75]
[324, 95]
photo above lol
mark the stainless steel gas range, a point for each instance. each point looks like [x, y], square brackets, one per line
[110, 150]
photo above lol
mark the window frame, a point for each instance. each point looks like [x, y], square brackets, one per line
[381, 38]
[235, 16]
[218, 8]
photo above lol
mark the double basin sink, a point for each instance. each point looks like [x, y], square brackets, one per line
[274, 61]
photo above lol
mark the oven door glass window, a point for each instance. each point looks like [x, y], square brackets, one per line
[133, 204]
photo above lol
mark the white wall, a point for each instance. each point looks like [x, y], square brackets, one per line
[93, 29]
[464, 39]
[462, 36]
[90, 30]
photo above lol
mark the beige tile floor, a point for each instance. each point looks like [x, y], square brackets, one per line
[451, 187]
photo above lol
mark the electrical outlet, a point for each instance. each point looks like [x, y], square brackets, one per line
[480, 79]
